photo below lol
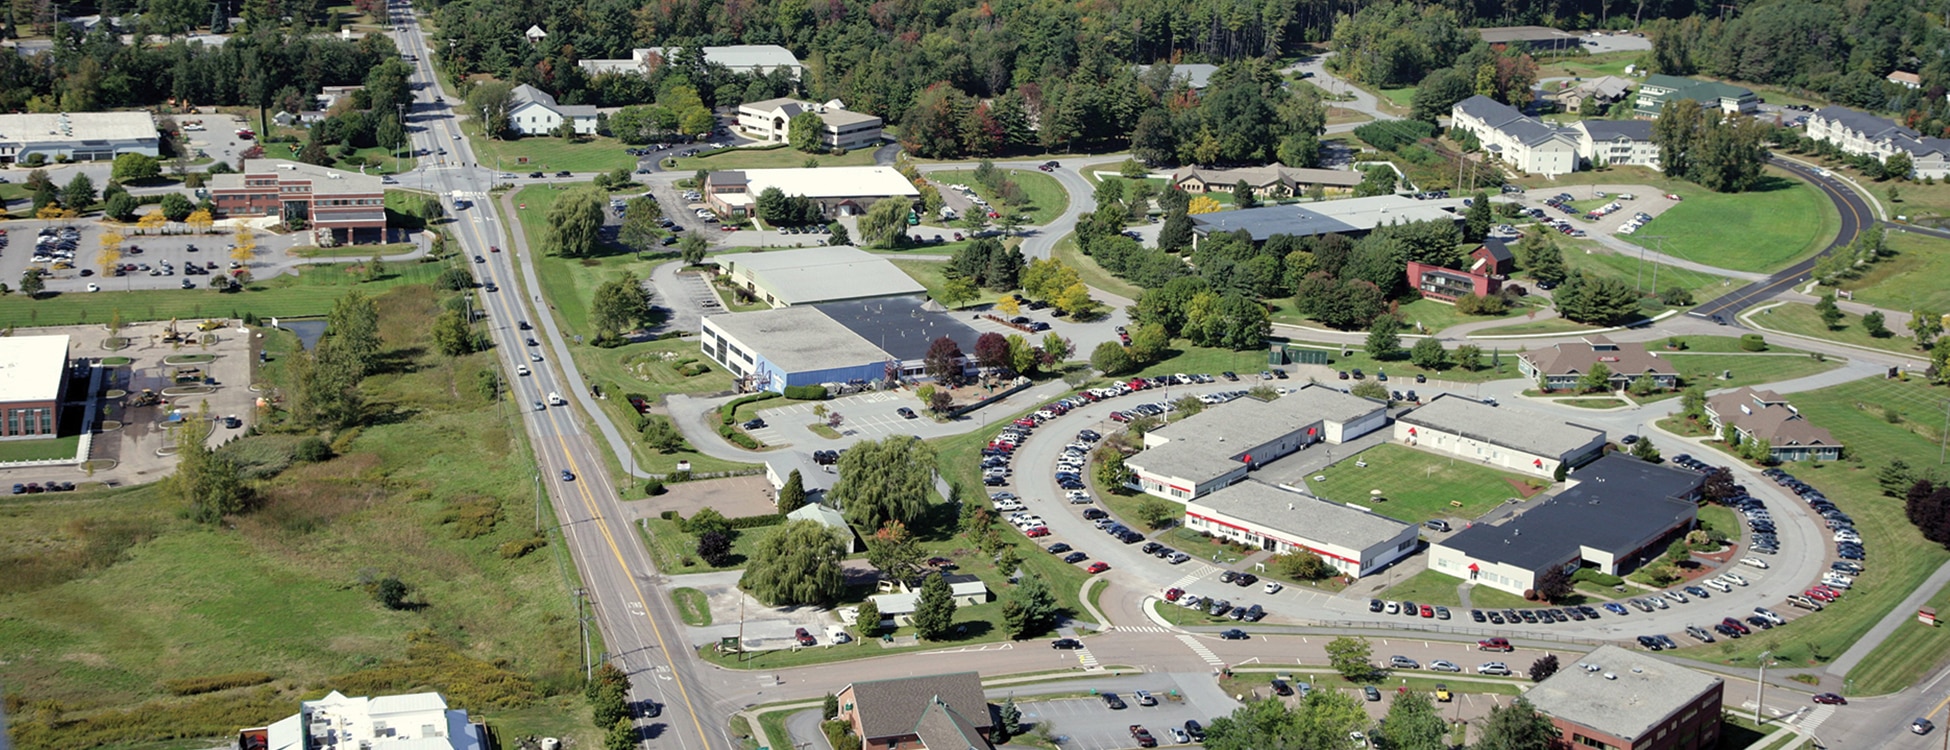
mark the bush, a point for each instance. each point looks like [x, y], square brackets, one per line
[654, 488]
[390, 592]
[1753, 342]
[739, 439]
[313, 450]
[472, 518]
[215, 682]
[753, 522]
[1594, 575]
[520, 548]
[806, 392]
[669, 515]
[730, 410]
[1389, 135]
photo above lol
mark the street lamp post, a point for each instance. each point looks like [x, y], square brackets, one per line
[1760, 685]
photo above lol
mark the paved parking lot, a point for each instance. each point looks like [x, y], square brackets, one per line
[865, 415]
[147, 252]
[1087, 724]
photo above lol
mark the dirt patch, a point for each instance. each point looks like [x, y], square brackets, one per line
[1524, 489]
[732, 496]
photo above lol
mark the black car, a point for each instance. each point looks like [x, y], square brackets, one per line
[1059, 548]
[1281, 688]
[1066, 644]
[1075, 557]
[1113, 702]
[1374, 605]
[1477, 615]
[1195, 729]
[1092, 514]
[1245, 579]
[563, 173]
[535, 175]
[754, 424]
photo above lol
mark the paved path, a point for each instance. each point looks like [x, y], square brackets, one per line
[1901, 614]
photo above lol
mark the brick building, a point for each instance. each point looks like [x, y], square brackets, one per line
[350, 205]
[942, 711]
[1614, 698]
[33, 375]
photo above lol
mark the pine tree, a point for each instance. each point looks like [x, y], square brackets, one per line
[934, 612]
[793, 494]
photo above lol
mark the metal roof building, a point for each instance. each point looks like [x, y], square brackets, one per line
[1351, 216]
[1217, 447]
[1502, 437]
[1616, 698]
[805, 276]
[1353, 540]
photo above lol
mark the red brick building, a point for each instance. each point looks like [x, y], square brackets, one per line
[351, 205]
[1626, 700]
[1446, 284]
[33, 377]
[942, 712]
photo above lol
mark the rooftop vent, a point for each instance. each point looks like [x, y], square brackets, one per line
[1610, 676]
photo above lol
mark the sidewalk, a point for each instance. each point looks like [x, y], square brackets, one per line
[1903, 612]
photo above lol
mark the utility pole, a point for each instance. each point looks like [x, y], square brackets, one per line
[1760, 685]
[1655, 269]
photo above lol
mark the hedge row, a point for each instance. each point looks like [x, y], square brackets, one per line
[739, 439]
[730, 410]
[753, 522]
[807, 392]
[216, 682]
[709, 154]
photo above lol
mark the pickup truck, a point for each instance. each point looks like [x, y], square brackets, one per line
[555, 399]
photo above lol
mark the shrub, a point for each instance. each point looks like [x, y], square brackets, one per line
[730, 410]
[1753, 342]
[313, 450]
[390, 592]
[753, 522]
[669, 515]
[215, 682]
[520, 548]
[806, 392]
[739, 439]
[1596, 576]
[473, 517]
[654, 488]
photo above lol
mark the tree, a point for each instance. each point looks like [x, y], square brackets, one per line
[353, 328]
[1543, 259]
[1303, 565]
[1111, 358]
[1643, 385]
[798, 563]
[1518, 726]
[132, 167]
[622, 736]
[662, 436]
[957, 292]
[1896, 477]
[893, 551]
[1029, 607]
[1110, 471]
[1412, 723]
[390, 592]
[1243, 195]
[692, 248]
[1831, 314]
[804, 131]
[837, 234]
[1644, 450]
[1349, 656]
[574, 224]
[31, 284]
[1553, 584]
[943, 362]
[1874, 324]
[79, 193]
[1925, 325]
[1598, 378]
[451, 335]
[640, 230]
[793, 494]
[492, 103]
[869, 619]
[992, 350]
[176, 207]
[1011, 718]
[1692, 402]
[884, 480]
[1157, 513]
[1371, 389]
[934, 611]
[1543, 667]
[885, 224]
[1057, 347]
[207, 485]
[1478, 220]
[619, 305]
[829, 708]
[121, 207]
[1384, 338]
[1607, 300]
[714, 548]
[1469, 357]
[1428, 354]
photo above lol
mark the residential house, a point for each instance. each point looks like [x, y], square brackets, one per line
[535, 34]
[1659, 89]
[1525, 143]
[299, 119]
[534, 112]
[1767, 416]
[900, 598]
[840, 129]
[1617, 143]
[1446, 284]
[1905, 79]
[1493, 258]
[1863, 134]
[911, 713]
[1604, 90]
[330, 96]
[829, 518]
[1561, 366]
[1274, 181]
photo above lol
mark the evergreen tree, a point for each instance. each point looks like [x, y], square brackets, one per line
[934, 611]
[1478, 220]
[1028, 608]
[793, 494]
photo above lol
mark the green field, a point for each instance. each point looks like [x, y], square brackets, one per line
[1587, 66]
[1416, 485]
[1652, 277]
[1748, 369]
[1402, 372]
[309, 294]
[1044, 197]
[1435, 588]
[1801, 318]
[1912, 279]
[39, 450]
[547, 154]
[1781, 221]
[1903, 558]
[775, 158]
[1093, 275]
[92, 635]
[1547, 325]
[1435, 315]
[933, 275]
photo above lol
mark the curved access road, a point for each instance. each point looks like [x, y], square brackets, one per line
[1856, 215]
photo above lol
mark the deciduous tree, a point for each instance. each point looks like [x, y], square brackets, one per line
[207, 485]
[893, 551]
[1351, 658]
[1518, 726]
[884, 480]
[574, 224]
[1412, 723]
[795, 564]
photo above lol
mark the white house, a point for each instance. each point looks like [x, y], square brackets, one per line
[1525, 143]
[420, 721]
[534, 112]
[1617, 143]
[771, 121]
[1863, 134]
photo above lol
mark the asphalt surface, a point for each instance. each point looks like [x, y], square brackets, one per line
[1856, 217]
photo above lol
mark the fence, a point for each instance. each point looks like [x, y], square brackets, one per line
[1013, 390]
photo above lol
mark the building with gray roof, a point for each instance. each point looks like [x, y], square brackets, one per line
[79, 136]
[533, 111]
[1863, 134]
[1535, 38]
[1195, 75]
[1616, 143]
[838, 343]
[1352, 539]
[1525, 143]
[1501, 437]
[1616, 698]
[1352, 217]
[1219, 446]
[757, 59]
[886, 713]
[811, 275]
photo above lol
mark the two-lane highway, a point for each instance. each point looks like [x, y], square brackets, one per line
[639, 628]
[1856, 215]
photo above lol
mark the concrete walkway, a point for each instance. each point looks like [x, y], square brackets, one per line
[1902, 613]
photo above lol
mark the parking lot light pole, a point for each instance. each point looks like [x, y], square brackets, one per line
[1760, 685]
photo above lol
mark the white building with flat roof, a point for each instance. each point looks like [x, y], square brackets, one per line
[771, 121]
[1354, 540]
[1499, 437]
[839, 191]
[756, 59]
[33, 379]
[1219, 446]
[811, 275]
[420, 721]
[79, 136]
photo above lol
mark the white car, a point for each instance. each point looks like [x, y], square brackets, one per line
[1717, 584]
[1494, 667]
[1733, 578]
[1273, 587]
[94, 287]
[1754, 561]
[521, 370]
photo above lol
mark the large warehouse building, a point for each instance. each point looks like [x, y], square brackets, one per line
[839, 191]
[79, 136]
[807, 276]
[1352, 217]
[838, 342]
[1615, 698]
[1217, 447]
[1511, 439]
[33, 378]
[1618, 514]
[1353, 540]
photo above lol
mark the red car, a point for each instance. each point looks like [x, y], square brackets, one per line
[1036, 531]
[1143, 736]
[1097, 567]
[1736, 625]
[1495, 644]
[1118, 416]
[805, 638]
[494, 248]
[1428, 611]
[1171, 595]
[1830, 699]
[938, 562]
[1821, 595]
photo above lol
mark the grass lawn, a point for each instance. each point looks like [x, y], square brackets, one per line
[1401, 372]
[356, 251]
[1748, 369]
[693, 606]
[1854, 413]
[548, 154]
[774, 158]
[1547, 325]
[1650, 276]
[1432, 315]
[1587, 66]
[1801, 318]
[1911, 279]
[83, 572]
[1044, 198]
[1415, 485]
[39, 450]
[1590, 403]
[1905, 656]
[676, 550]
[1434, 588]
[1093, 275]
[1781, 221]
[932, 274]
[309, 294]
[1399, 98]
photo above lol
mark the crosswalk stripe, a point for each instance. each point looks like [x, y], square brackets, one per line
[1816, 717]
[1087, 659]
[1141, 629]
[1200, 649]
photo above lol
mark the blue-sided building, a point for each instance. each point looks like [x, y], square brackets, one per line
[837, 342]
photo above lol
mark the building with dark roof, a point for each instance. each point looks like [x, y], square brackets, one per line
[1525, 143]
[833, 343]
[1501, 437]
[1864, 134]
[1767, 416]
[1533, 38]
[1561, 366]
[1617, 698]
[1618, 513]
[1617, 143]
[1446, 284]
[1657, 89]
[1493, 258]
[1355, 540]
[909, 713]
[1271, 181]
[1219, 446]
[1352, 217]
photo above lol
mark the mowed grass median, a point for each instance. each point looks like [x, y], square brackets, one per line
[1416, 486]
